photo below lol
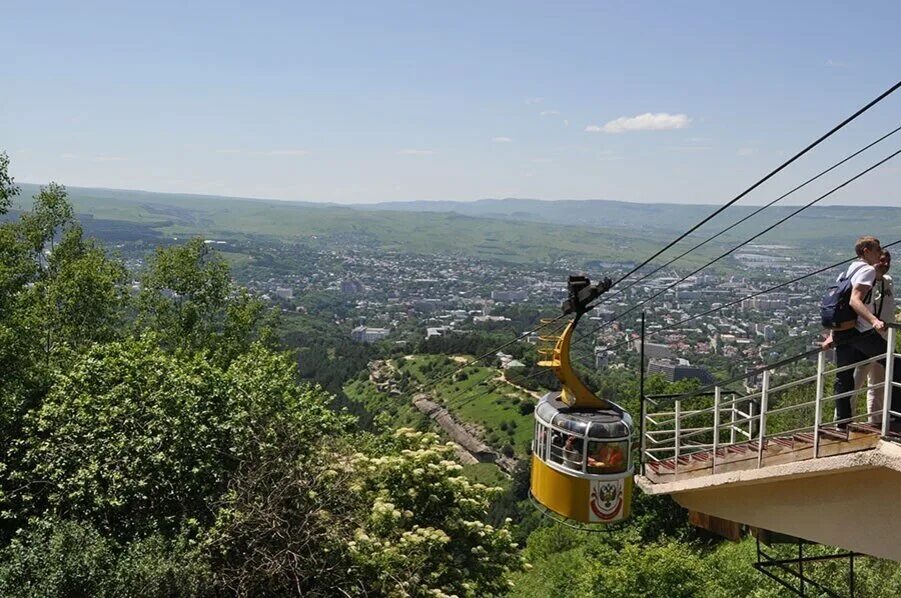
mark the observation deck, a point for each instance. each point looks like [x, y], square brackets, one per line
[775, 459]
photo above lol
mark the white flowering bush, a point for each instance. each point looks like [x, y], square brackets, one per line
[425, 532]
[362, 516]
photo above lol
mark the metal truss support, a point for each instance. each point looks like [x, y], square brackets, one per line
[791, 572]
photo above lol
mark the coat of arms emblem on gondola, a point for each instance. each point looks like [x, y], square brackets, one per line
[606, 499]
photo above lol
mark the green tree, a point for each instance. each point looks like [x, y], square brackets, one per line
[426, 530]
[136, 440]
[395, 518]
[65, 559]
[8, 189]
[189, 300]
[58, 294]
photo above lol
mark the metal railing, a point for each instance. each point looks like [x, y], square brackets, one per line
[715, 422]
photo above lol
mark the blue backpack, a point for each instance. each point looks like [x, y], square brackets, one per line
[835, 308]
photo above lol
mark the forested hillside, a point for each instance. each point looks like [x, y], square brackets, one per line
[158, 442]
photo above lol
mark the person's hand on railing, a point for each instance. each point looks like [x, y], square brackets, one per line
[827, 344]
[878, 325]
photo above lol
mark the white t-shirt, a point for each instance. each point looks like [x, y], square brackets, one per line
[862, 273]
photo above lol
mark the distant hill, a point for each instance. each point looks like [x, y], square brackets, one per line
[662, 216]
[108, 213]
[507, 229]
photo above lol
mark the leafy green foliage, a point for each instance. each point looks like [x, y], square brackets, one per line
[189, 300]
[425, 533]
[55, 558]
[8, 189]
[135, 440]
[379, 521]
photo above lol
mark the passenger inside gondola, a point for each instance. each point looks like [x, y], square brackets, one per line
[606, 457]
[572, 452]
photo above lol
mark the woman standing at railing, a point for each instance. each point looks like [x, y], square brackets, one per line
[859, 338]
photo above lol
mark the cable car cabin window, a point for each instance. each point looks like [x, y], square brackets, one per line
[566, 450]
[540, 445]
[607, 457]
[545, 411]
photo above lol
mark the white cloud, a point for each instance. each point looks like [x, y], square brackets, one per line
[501, 140]
[689, 148]
[837, 64]
[109, 159]
[746, 151]
[542, 160]
[659, 121]
[274, 152]
[565, 123]
[549, 113]
[68, 156]
[287, 152]
[416, 152]
[533, 101]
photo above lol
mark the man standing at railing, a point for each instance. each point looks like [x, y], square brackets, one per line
[872, 374]
[858, 339]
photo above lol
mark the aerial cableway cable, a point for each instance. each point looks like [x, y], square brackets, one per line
[489, 391]
[781, 285]
[679, 323]
[705, 220]
[754, 213]
[740, 245]
[773, 173]
[784, 165]
[487, 354]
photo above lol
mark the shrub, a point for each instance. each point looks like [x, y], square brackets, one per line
[137, 441]
[57, 558]
[52, 557]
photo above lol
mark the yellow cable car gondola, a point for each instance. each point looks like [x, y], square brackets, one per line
[581, 451]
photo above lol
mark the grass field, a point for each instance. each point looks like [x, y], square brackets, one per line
[398, 410]
[486, 473]
[477, 396]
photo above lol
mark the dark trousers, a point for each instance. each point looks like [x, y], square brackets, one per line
[852, 346]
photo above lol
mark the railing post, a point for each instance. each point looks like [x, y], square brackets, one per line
[889, 377]
[643, 430]
[751, 408]
[716, 427]
[734, 415]
[678, 432]
[764, 396]
[642, 425]
[818, 407]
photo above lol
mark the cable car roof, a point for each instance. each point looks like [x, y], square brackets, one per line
[613, 423]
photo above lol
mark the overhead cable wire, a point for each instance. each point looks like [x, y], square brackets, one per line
[755, 371]
[740, 245]
[494, 351]
[757, 211]
[781, 285]
[773, 173]
[708, 218]
[485, 393]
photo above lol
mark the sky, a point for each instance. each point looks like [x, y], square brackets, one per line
[358, 102]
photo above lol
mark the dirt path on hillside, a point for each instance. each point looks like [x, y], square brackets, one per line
[532, 393]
